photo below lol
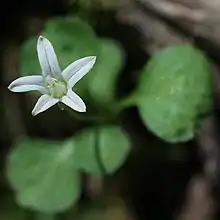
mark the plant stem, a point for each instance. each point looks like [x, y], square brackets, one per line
[127, 102]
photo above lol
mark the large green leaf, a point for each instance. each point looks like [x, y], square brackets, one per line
[175, 93]
[102, 87]
[43, 175]
[107, 145]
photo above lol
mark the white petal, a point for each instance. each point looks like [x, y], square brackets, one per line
[76, 70]
[72, 100]
[43, 103]
[47, 58]
[28, 83]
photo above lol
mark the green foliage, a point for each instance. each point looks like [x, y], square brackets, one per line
[173, 97]
[175, 93]
[43, 175]
[103, 84]
[109, 143]
[72, 39]
[29, 63]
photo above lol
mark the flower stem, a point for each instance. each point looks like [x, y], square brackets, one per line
[127, 102]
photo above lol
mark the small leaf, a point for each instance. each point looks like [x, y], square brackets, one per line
[106, 71]
[29, 63]
[110, 143]
[175, 93]
[72, 39]
[42, 174]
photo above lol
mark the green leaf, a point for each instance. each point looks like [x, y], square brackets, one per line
[72, 39]
[175, 93]
[106, 71]
[109, 143]
[29, 63]
[43, 175]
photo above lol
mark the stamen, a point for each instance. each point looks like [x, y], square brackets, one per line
[56, 88]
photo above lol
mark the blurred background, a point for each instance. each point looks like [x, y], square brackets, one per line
[119, 165]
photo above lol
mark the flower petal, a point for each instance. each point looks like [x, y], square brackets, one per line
[28, 83]
[43, 103]
[47, 58]
[76, 70]
[72, 100]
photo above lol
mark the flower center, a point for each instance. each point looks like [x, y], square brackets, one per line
[56, 88]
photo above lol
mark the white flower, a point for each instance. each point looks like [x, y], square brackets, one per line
[54, 84]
